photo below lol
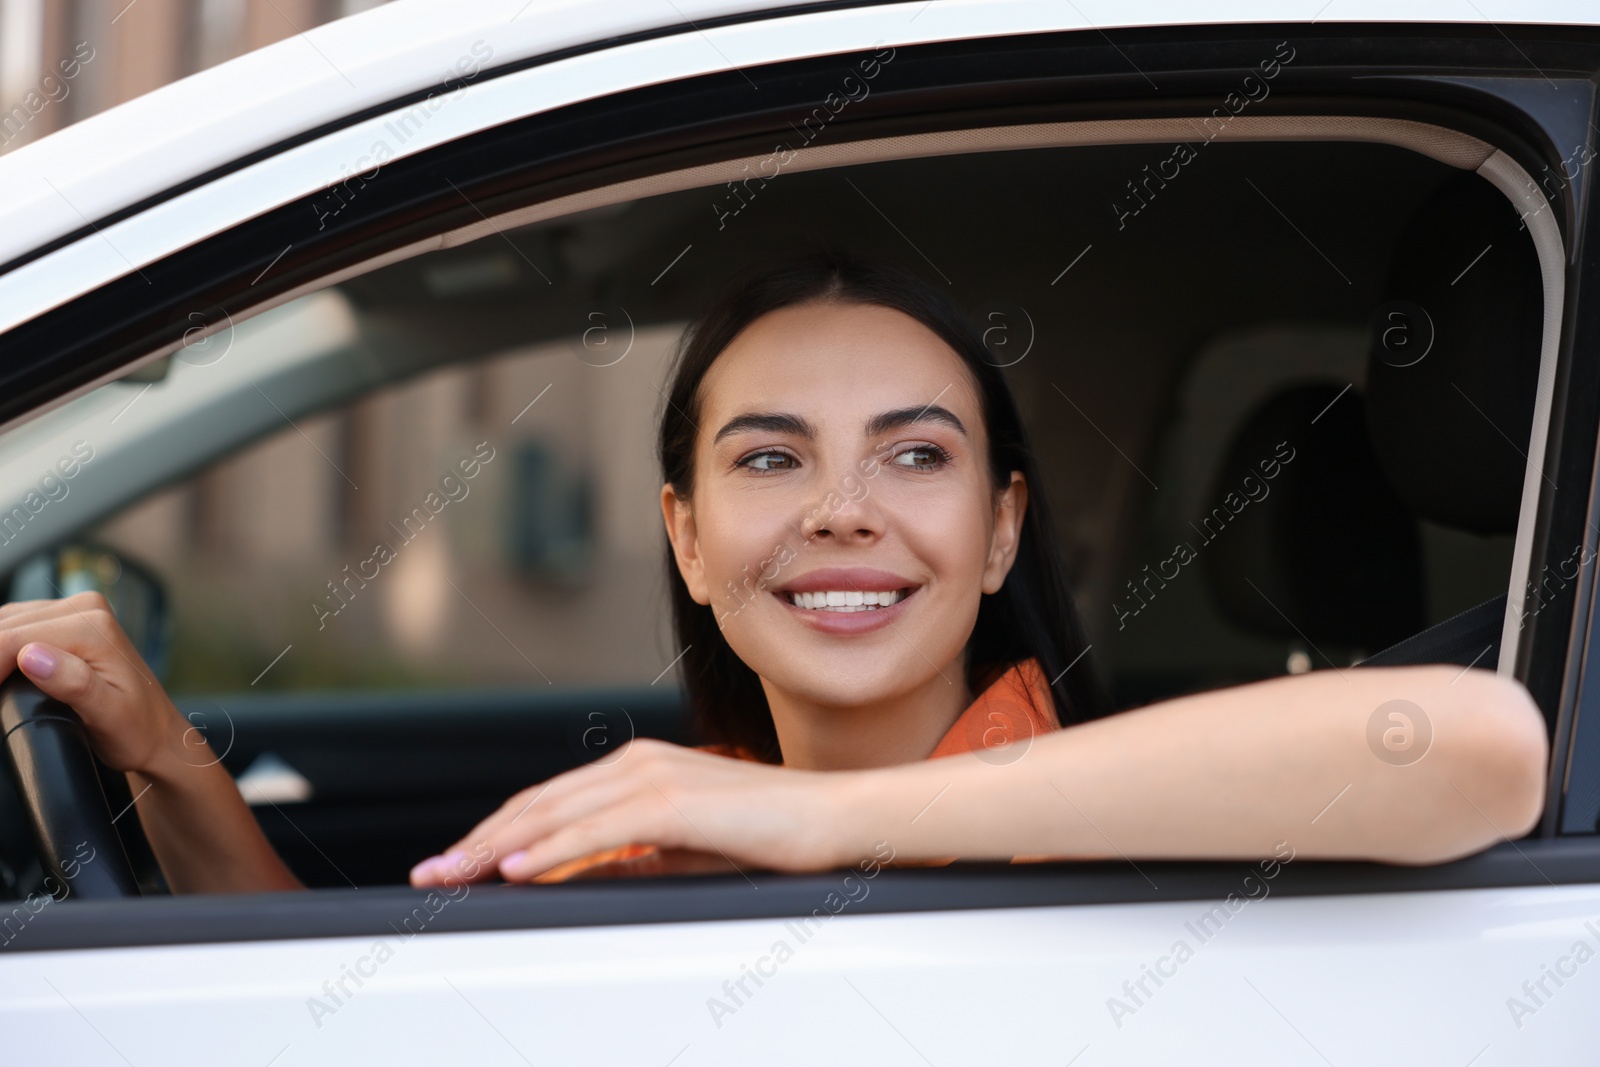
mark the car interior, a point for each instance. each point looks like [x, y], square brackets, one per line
[1281, 410]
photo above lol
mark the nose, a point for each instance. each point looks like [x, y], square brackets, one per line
[846, 514]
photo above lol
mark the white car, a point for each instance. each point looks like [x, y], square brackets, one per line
[1191, 231]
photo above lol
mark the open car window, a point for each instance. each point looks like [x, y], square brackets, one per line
[321, 430]
[416, 512]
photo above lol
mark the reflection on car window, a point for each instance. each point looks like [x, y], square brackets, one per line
[345, 546]
[491, 523]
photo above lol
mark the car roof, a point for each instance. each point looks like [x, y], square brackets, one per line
[282, 93]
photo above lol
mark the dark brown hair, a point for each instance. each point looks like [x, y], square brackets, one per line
[1030, 616]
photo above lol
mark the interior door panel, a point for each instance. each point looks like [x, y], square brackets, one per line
[394, 778]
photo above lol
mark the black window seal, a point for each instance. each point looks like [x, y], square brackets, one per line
[384, 912]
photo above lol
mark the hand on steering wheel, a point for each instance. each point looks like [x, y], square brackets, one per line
[73, 652]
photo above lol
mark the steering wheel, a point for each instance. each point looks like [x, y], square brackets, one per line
[49, 756]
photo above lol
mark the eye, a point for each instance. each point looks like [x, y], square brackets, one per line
[768, 461]
[922, 457]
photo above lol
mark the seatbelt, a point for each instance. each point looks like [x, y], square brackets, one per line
[1471, 638]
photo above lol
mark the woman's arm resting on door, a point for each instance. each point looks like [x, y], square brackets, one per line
[1225, 774]
[1230, 773]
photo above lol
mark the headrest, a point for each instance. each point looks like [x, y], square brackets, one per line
[1307, 540]
[1451, 413]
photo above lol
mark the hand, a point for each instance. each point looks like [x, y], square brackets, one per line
[654, 793]
[75, 651]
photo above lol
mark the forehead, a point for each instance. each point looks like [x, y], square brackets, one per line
[838, 365]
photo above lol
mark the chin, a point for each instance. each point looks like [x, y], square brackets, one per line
[848, 682]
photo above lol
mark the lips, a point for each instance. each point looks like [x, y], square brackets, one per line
[847, 600]
[854, 579]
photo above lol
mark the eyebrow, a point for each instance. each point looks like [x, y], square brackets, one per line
[882, 423]
[890, 421]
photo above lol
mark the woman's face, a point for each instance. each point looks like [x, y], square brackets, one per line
[842, 457]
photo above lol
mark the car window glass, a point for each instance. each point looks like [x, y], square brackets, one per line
[332, 553]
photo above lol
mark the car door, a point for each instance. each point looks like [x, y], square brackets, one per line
[1284, 959]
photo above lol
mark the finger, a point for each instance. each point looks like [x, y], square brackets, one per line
[17, 608]
[637, 821]
[535, 813]
[539, 797]
[95, 611]
[69, 631]
[505, 836]
[541, 809]
[23, 611]
[91, 634]
[453, 861]
[548, 815]
[32, 612]
[512, 828]
[43, 612]
[506, 814]
[52, 629]
[60, 674]
[454, 868]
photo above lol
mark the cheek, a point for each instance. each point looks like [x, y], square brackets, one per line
[949, 533]
[949, 536]
[739, 543]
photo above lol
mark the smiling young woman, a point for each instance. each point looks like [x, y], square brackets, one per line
[861, 581]
[856, 440]
[879, 642]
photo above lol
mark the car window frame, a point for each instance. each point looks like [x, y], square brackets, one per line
[132, 333]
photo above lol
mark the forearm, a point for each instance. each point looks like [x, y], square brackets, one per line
[202, 832]
[1230, 774]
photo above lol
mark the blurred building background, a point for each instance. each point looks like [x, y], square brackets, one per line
[63, 60]
[544, 567]
[548, 570]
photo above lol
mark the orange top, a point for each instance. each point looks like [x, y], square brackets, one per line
[1001, 723]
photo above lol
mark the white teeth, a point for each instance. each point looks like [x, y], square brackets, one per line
[845, 600]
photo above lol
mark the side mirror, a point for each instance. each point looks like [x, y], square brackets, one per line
[136, 595]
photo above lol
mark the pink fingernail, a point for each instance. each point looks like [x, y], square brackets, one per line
[36, 662]
[426, 867]
[513, 861]
[453, 860]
